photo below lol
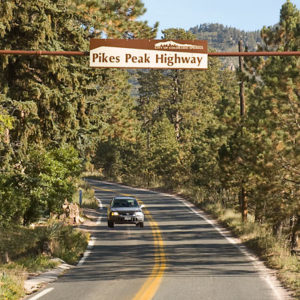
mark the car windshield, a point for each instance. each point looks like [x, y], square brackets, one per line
[124, 203]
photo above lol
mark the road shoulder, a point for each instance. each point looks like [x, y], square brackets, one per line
[36, 282]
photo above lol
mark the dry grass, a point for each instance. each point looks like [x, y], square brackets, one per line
[25, 247]
[88, 196]
[12, 282]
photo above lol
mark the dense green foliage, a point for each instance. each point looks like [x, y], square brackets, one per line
[181, 127]
[178, 129]
[55, 110]
[189, 131]
[273, 125]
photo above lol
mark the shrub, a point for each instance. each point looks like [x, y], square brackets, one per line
[11, 283]
[70, 244]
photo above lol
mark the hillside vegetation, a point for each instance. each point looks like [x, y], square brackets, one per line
[181, 131]
[225, 39]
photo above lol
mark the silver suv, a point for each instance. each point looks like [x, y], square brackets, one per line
[125, 210]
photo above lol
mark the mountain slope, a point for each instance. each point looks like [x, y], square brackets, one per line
[223, 38]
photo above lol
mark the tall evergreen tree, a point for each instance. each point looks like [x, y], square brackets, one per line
[188, 98]
[59, 100]
[273, 126]
[115, 19]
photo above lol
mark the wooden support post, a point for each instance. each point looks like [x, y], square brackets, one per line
[242, 87]
[243, 196]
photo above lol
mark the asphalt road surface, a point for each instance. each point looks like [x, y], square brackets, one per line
[177, 255]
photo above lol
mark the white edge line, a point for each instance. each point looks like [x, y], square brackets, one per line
[84, 257]
[92, 240]
[100, 203]
[41, 294]
[272, 281]
[87, 252]
[99, 221]
[256, 263]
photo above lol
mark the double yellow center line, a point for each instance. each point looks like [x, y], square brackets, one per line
[149, 288]
[151, 285]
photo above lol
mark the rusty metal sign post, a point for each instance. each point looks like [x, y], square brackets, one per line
[87, 53]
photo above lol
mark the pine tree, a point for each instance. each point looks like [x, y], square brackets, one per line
[45, 92]
[59, 100]
[188, 99]
[115, 19]
[273, 147]
[164, 153]
[213, 148]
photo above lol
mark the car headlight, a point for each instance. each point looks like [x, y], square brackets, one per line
[114, 213]
[139, 214]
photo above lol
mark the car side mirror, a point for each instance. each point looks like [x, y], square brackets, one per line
[142, 206]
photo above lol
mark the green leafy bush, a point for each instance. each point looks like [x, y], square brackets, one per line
[24, 245]
[41, 187]
[70, 244]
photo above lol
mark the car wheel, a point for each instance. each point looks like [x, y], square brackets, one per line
[142, 224]
[110, 224]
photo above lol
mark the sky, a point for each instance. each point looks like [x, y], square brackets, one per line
[247, 15]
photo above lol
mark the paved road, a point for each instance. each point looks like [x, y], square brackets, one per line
[178, 255]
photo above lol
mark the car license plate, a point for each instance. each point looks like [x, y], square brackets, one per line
[127, 218]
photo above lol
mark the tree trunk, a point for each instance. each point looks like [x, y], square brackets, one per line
[257, 215]
[243, 204]
[6, 259]
[243, 197]
[177, 125]
[295, 234]
[277, 228]
[148, 157]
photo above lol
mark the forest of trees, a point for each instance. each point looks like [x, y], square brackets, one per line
[58, 117]
[55, 110]
[225, 39]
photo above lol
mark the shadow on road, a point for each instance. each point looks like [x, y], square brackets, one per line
[192, 246]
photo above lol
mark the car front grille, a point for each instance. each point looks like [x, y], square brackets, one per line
[123, 214]
[125, 217]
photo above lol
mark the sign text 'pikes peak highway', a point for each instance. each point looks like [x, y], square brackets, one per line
[148, 54]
